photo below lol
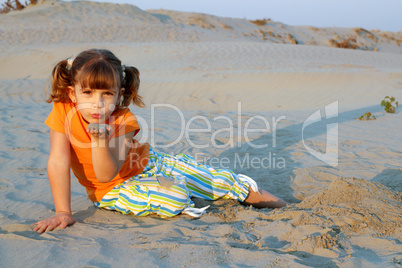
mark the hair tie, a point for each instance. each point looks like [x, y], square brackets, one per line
[69, 63]
[123, 67]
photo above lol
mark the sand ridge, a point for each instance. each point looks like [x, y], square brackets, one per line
[56, 22]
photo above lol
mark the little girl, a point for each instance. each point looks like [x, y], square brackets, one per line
[91, 132]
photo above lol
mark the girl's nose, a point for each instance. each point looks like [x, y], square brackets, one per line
[99, 103]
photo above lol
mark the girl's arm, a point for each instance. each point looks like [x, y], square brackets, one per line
[58, 170]
[108, 157]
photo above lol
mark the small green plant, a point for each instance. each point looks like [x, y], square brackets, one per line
[367, 116]
[389, 104]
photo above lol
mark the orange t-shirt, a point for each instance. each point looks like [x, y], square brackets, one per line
[65, 118]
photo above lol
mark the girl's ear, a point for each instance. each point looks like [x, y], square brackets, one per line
[120, 95]
[71, 94]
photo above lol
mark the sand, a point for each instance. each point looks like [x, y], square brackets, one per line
[233, 73]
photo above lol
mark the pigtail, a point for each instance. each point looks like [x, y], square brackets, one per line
[131, 84]
[61, 79]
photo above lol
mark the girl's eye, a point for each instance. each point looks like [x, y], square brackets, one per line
[109, 93]
[87, 92]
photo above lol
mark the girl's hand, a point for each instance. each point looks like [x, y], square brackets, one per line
[61, 219]
[101, 131]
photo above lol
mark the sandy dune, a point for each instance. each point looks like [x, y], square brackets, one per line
[202, 65]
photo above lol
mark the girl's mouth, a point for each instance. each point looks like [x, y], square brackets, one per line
[97, 116]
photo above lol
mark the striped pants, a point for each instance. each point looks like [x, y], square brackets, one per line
[167, 183]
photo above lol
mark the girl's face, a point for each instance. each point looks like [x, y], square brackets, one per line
[95, 105]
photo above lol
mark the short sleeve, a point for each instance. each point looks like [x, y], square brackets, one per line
[56, 118]
[125, 122]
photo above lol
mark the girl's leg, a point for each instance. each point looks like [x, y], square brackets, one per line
[207, 183]
[142, 196]
[146, 193]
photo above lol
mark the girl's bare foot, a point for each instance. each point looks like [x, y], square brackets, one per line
[263, 199]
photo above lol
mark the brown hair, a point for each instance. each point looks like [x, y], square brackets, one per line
[96, 69]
